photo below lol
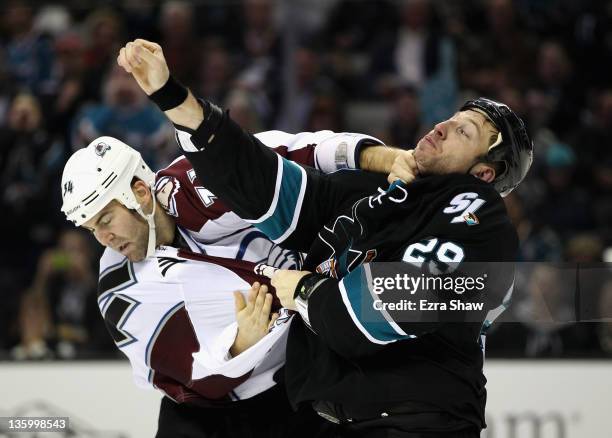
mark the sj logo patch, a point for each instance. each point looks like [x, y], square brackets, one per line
[465, 205]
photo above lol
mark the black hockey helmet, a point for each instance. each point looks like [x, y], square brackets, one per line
[514, 148]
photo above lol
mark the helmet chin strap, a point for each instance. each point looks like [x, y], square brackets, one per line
[151, 222]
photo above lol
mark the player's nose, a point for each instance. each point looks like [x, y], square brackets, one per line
[104, 237]
[440, 130]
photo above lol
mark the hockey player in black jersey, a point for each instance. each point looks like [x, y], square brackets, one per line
[371, 370]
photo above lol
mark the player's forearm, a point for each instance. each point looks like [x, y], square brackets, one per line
[189, 114]
[378, 158]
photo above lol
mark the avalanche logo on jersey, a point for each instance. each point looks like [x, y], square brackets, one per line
[343, 259]
[115, 307]
[166, 189]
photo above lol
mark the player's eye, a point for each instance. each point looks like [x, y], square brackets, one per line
[106, 220]
[463, 132]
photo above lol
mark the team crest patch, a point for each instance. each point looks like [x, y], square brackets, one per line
[101, 148]
[166, 189]
[471, 219]
[328, 267]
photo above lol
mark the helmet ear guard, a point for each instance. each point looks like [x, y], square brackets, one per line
[100, 173]
[513, 147]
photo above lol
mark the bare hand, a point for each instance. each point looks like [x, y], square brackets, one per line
[145, 61]
[285, 282]
[253, 316]
[404, 168]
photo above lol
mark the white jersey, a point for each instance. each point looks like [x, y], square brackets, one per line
[173, 314]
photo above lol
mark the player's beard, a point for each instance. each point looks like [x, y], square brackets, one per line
[430, 163]
[427, 163]
[139, 240]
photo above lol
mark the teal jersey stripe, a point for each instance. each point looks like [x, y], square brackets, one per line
[280, 221]
[361, 300]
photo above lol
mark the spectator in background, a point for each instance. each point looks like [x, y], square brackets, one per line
[591, 33]
[178, 37]
[347, 38]
[584, 248]
[538, 242]
[29, 55]
[326, 113]
[259, 59]
[554, 95]
[589, 141]
[59, 306]
[242, 107]
[309, 83]
[140, 18]
[215, 72]
[24, 177]
[73, 88]
[508, 39]
[541, 320]
[564, 206]
[421, 55]
[405, 127]
[103, 37]
[126, 114]
[26, 198]
[260, 34]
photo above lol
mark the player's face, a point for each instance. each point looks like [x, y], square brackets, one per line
[454, 145]
[121, 229]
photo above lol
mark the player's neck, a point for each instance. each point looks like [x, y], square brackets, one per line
[165, 227]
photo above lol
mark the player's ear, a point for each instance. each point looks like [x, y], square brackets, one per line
[484, 171]
[142, 192]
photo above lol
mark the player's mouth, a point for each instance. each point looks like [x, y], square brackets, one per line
[123, 247]
[429, 140]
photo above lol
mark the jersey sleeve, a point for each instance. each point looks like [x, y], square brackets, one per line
[326, 151]
[287, 202]
[464, 275]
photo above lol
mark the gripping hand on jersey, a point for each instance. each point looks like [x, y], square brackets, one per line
[285, 281]
[253, 316]
[145, 61]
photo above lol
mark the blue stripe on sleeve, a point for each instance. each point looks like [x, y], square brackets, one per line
[282, 218]
[359, 300]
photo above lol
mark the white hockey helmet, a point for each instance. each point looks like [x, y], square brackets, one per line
[101, 172]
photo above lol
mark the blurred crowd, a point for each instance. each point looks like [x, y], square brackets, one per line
[389, 68]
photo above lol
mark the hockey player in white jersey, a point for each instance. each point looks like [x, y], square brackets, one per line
[168, 275]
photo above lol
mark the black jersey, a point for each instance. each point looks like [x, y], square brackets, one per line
[348, 222]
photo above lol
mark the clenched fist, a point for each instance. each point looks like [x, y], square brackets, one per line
[404, 168]
[285, 282]
[145, 61]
